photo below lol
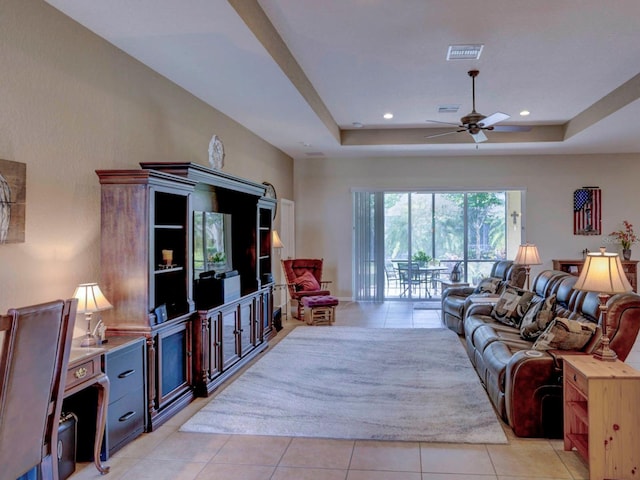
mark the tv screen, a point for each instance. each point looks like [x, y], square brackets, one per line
[211, 243]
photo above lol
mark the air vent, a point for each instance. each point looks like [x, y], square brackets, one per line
[464, 52]
[452, 108]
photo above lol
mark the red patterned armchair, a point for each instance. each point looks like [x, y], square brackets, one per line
[304, 279]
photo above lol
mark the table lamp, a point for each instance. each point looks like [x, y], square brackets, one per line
[527, 255]
[603, 273]
[90, 299]
[275, 240]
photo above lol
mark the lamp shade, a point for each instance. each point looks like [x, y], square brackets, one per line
[527, 255]
[275, 240]
[90, 298]
[603, 273]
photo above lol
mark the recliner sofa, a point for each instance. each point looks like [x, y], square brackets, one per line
[525, 385]
[455, 300]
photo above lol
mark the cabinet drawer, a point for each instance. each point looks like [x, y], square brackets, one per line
[577, 379]
[82, 372]
[124, 369]
[125, 419]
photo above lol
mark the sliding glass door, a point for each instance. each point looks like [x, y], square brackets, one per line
[408, 242]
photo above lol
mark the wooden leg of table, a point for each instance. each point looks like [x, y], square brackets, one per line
[102, 384]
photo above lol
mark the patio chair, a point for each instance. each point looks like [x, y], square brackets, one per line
[304, 279]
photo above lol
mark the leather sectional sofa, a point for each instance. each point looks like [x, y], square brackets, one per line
[525, 385]
[455, 300]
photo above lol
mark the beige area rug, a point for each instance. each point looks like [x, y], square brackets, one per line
[358, 383]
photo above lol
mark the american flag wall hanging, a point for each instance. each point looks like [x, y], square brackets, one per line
[587, 211]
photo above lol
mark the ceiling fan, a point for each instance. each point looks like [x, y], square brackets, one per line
[475, 123]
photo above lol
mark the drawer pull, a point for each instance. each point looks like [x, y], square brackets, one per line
[126, 374]
[126, 416]
[80, 373]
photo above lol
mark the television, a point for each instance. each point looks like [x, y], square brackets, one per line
[211, 243]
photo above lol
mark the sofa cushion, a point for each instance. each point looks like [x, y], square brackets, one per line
[538, 317]
[307, 282]
[565, 334]
[488, 285]
[512, 306]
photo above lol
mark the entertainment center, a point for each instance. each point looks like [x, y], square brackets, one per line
[186, 263]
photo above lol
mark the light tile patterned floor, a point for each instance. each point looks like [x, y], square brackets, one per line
[172, 455]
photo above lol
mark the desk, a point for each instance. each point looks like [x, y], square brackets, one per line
[85, 370]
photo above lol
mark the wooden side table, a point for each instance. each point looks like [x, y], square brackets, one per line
[601, 419]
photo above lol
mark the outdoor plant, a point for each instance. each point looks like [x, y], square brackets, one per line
[421, 257]
[626, 236]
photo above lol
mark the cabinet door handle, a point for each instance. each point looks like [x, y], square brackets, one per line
[126, 374]
[126, 416]
[575, 377]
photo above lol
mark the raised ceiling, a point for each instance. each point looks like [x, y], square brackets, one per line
[300, 73]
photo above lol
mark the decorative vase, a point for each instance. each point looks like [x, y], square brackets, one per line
[626, 253]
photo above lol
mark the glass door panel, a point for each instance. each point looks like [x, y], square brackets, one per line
[396, 242]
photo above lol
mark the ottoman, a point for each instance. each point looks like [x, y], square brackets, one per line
[319, 309]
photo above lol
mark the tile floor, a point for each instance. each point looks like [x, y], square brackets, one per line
[172, 455]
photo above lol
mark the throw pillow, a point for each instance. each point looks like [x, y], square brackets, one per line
[511, 306]
[565, 334]
[488, 285]
[538, 317]
[307, 282]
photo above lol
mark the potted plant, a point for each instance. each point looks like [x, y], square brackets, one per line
[421, 257]
[627, 237]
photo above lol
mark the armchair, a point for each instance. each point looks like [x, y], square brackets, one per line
[304, 279]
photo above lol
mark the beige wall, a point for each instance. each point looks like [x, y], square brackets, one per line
[72, 103]
[549, 182]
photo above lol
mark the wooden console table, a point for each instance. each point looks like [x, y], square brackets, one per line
[574, 267]
[85, 370]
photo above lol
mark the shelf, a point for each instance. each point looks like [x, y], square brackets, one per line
[581, 442]
[168, 270]
[580, 410]
[169, 227]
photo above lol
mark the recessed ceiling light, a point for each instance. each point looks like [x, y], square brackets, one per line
[524, 113]
[464, 52]
[388, 115]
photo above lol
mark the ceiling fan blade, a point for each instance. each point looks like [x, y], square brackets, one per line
[512, 128]
[446, 123]
[493, 119]
[442, 134]
[479, 137]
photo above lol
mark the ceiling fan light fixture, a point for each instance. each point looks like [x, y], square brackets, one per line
[465, 52]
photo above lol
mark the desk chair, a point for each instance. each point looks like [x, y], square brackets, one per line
[34, 353]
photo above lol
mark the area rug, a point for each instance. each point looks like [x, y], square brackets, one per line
[357, 383]
[433, 305]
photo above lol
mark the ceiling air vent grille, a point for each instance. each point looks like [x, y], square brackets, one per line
[448, 108]
[464, 52]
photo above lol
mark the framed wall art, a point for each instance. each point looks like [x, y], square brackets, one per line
[13, 194]
[587, 211]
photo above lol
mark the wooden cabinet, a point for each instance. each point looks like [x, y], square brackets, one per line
[150, 273]
[574, 267]
[601, 419]
[124, 364]
[227, 337]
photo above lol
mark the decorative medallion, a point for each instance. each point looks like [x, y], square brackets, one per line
[216, 153]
